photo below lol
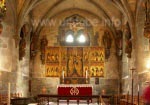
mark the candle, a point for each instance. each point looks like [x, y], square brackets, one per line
[8, 103]
[86, 73]
[138, 95]
[63, 74]
[138, 88]
[128, 88]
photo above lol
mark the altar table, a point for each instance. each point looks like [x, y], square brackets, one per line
[75, 90]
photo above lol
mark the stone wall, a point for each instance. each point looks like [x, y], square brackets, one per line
[11, 70]
[140, 58]
[39, 82]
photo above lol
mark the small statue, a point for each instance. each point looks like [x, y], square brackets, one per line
[128, 48]
[119, 43]
[33, 46]
[22, 46]
[107, 41]
[44, 43]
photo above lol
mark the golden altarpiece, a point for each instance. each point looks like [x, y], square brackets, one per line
[74, 62]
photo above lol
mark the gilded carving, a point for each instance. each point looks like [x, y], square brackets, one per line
[97, 70]
[74, 62]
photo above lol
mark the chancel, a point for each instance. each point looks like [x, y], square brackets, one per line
[68, 52]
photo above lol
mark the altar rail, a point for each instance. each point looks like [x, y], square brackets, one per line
[45, 98]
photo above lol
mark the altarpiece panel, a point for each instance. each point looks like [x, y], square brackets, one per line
[74, 62]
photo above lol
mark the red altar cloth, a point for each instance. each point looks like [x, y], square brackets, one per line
[75, 90]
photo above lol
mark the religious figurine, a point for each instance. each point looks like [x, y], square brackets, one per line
[107, 41]
[128, 48]
[33, 46]
[22, 45]
[147, 19]
[119, 43]
[44, 43]
[75, 66]
[101, 72]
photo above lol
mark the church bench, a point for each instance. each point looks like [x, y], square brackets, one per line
[3, 99]
[20, 101]
[127, 100]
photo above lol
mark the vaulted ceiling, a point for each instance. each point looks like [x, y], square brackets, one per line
[103, 9]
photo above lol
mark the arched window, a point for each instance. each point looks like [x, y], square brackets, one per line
[69, 37]
[75, 31]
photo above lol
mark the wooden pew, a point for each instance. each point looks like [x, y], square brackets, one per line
[127, 100]
[3, 99]
[20, 101]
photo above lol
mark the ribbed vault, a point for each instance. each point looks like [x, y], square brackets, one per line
[47, 9]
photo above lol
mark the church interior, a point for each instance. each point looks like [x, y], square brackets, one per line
[74, 49]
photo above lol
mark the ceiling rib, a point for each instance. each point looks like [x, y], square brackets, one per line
[48, 12]
[102, 11]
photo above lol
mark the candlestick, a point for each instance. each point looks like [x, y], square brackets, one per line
[127, 93]
[132, 82]
[138, 98]
[138, 94]
[8, 93]
[127, 97]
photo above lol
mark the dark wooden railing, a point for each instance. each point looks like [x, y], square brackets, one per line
[20, 101]
[45, 98]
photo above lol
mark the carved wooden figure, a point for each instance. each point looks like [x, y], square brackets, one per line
[44, 43]
[128, 48]
[119, 43]
[107, 41]
[22, 44]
